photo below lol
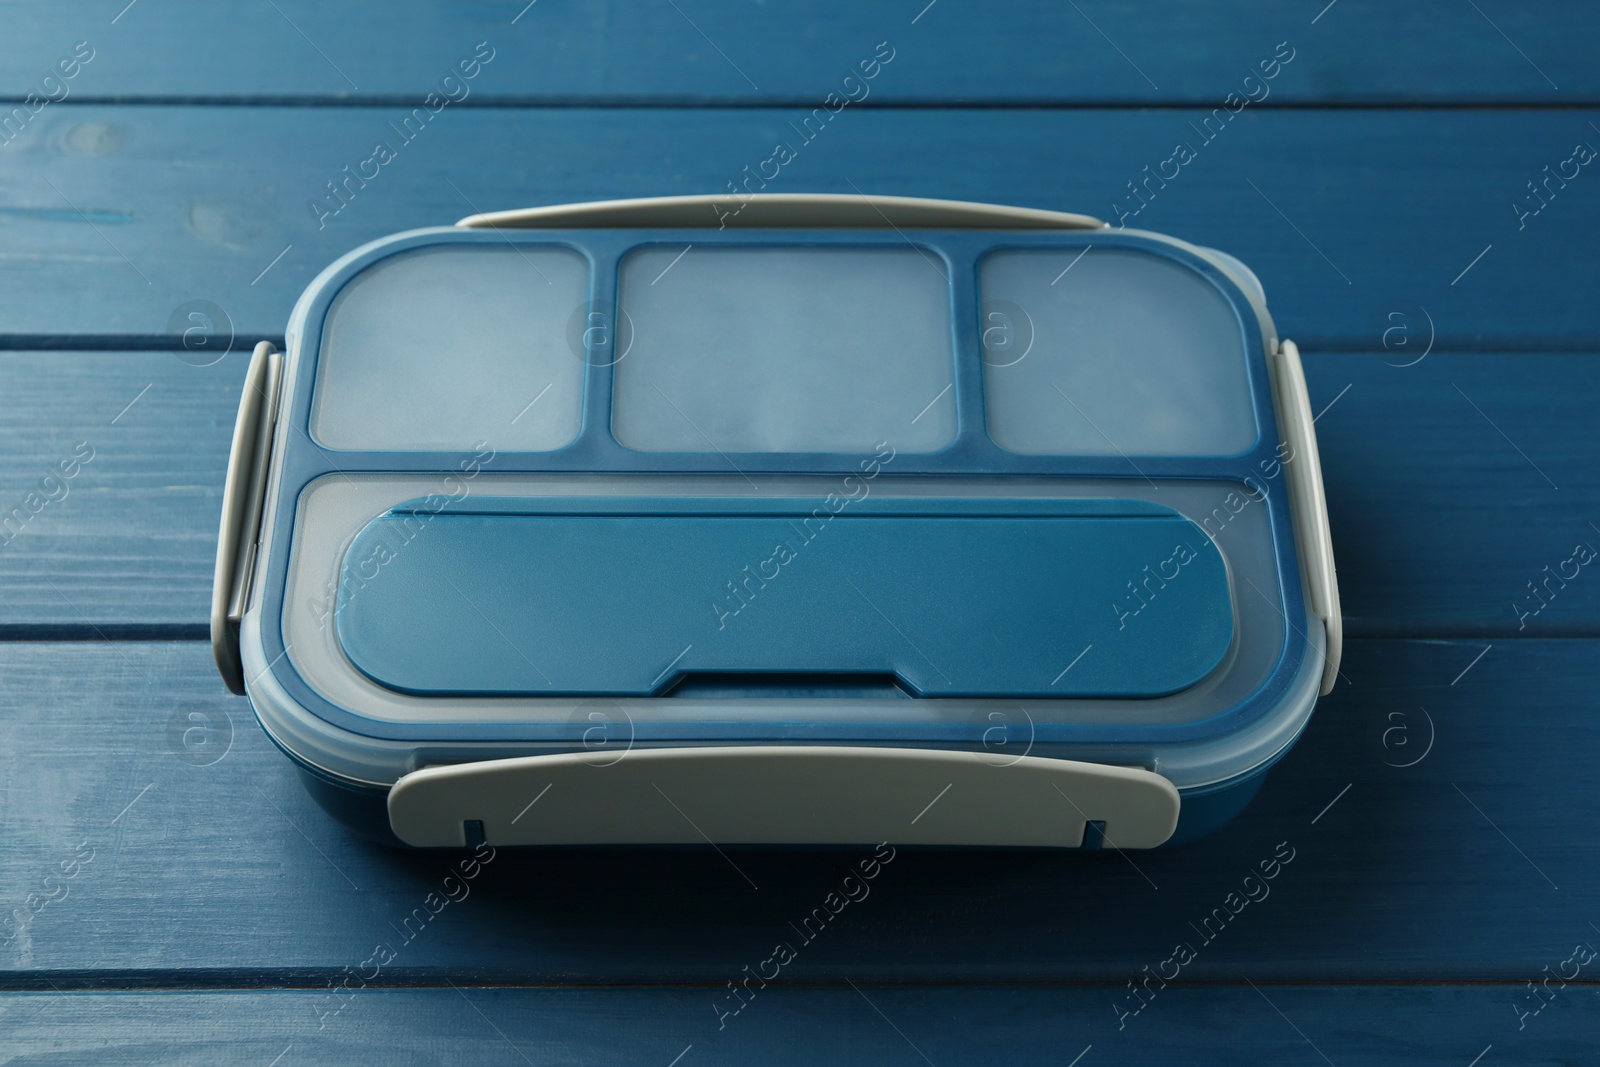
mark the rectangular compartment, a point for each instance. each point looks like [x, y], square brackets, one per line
[625, 597]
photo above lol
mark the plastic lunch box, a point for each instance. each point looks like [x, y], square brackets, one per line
[788, 520]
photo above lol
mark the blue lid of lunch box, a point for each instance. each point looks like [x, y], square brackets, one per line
[968, 355]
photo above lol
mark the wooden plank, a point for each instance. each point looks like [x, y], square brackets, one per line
[1348, 216]
[1441, 511]
[129, 539]
[1359, 51]
[1460, 489]
[1272, 1025]
[197, 859]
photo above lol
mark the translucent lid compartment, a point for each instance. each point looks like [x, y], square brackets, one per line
[627, 597]
[446, 348]
[1105, 351]
[784, 350]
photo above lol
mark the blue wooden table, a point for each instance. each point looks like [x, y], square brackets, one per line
[1416, 188]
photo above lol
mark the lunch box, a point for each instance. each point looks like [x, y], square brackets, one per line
[778, 520]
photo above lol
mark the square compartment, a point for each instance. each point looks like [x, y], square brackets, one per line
[1106, 351]
[447, 348]
[784, 350]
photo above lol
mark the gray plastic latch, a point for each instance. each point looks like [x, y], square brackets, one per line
[1308, 502]
[242, 501]
[782, 795]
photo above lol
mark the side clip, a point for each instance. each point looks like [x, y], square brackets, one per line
[242, 500]
[783, 211]
[783, 795]
[1308, 502]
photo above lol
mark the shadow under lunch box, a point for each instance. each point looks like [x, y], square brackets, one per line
[793, 520]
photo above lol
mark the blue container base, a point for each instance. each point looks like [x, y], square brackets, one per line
[1205, 811]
